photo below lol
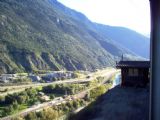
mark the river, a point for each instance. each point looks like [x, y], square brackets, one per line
[117, 80]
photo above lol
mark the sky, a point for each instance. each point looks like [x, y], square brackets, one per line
[133, 14]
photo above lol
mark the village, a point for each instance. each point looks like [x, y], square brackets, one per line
[32, 77]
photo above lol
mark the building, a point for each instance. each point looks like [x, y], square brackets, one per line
[45, 98]
[35, 78]
[57, 75]
[134, 73]
[5, 78]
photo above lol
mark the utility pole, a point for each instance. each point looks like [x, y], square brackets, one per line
[155, 61]
[122, 57]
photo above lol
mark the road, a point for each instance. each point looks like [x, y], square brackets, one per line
[80, 95]
[23, 87]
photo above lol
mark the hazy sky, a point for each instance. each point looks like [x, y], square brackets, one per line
[134, 14]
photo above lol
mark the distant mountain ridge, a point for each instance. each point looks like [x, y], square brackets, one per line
[46, 35]
[135, 42]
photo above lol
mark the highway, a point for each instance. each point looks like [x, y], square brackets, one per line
[23, 87]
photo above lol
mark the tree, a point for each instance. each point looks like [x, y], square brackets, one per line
[21, 99]
[8, 110]
[50, 114]
[9, 99]
[2, 99]
[52, 96]
[17, 118]
[31, 116]
[97, 92]
[75, 104]
[31, 92]
[15, 105]
[75, 75]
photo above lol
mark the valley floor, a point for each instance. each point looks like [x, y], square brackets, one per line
[105, 74]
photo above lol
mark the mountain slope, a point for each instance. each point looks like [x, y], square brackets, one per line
[123, 39]
[36, 35]
[133, 41]
[45, 35]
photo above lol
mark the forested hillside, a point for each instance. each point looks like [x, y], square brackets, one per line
[45, 35]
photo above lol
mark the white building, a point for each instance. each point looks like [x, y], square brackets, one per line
[7, 77]
[34, 78]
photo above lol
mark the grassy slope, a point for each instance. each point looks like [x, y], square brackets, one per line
[118, 103]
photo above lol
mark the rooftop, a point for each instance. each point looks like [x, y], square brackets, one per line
[133, 64]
